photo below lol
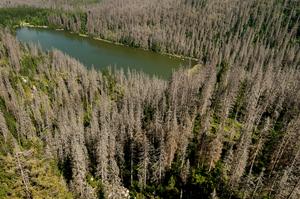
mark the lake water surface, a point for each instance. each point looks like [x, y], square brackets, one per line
[100, 54]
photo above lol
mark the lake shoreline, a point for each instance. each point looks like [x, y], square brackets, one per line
[26, 24]
[94, 52]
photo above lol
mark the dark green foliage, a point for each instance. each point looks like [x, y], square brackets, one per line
[83, 18]
[222, 68]
[238, 109]
[193, 145]
[66, 168]
[189, 34]
[126, 170]
[155, 47]
[7, 180]
[129, 41]
[148, 115]
[96, 184]
[87, 114]
[43, 176]
[273, 139]
[170, 187]
[14, 16]
[29, 66]
[202, 182]
[114, 90]
[9, 118]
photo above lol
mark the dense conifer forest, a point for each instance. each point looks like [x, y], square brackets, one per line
[228, 127]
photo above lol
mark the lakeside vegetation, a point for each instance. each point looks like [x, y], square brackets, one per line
[13, 17]
[186, 43]
[228, 128]
[17, 17]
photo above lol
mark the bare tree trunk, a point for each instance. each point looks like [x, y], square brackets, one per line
[24, 176]
[294, 188]
[255, 154]
[181, 193]
[131, 161]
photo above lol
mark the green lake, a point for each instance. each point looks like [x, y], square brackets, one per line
[101, 54]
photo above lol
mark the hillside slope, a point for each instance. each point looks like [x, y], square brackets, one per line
[229, 128]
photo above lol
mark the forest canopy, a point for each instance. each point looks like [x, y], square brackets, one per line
[227, 128]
